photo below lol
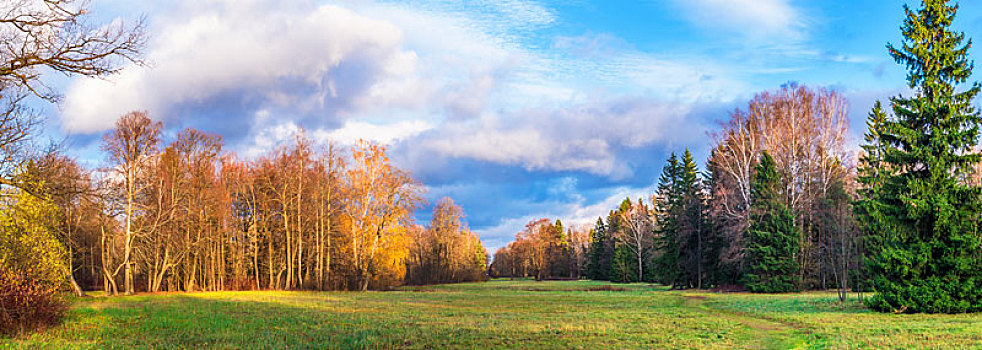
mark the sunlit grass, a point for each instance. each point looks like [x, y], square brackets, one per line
[501, 313]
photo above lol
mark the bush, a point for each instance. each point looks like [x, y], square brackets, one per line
[27, 304]
[29, 244]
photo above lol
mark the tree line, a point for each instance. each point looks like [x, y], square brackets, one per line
[697, 230]
[543, 250]
[189, 216]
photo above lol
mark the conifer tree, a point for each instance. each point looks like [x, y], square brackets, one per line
[690, 222]
[598, 265]
[559, 252]
[623, 268]
[773, 238]
[870, 178]
[668, 241]
[927, 259]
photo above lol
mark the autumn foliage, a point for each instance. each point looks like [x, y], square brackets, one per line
[27, 303]
[189, 216]
[543, 250]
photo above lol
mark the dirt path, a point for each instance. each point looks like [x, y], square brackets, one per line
[770, 333]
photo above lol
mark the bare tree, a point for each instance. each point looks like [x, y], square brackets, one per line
[638, 227]
[51, 35]
[131, 146]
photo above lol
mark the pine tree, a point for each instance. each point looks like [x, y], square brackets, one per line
[870, 178]
[668, 241]
[559, 252]
[598, 266]
[623, 268]
[927, 259]
[773, 238]
[689, 218]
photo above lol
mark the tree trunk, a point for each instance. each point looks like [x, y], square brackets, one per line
[127, 244]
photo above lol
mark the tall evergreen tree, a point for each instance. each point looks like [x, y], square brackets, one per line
[598, 265]
[623, 268]
[689, 218]
[559, 252]
[668, 240]
[870, 178]
[928, 257]
[773, 238]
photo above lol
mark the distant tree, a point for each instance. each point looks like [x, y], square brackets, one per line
[927, 255]
[838, 224]
[804, 129]
[726, 232]
[131, 146]
[690, 222]
[669, 240]
[559, 251]
[773, 238]
[446, 251]
[636, 235]
[598, 264]
[579, 247]
[68, 185]
[623, 266]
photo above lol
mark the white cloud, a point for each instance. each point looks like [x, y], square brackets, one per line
[386, 133]
[581, 137]
[756, 18]
[302, 57]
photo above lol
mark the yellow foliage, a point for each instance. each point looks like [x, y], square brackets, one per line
[28, 242]
[390, 261]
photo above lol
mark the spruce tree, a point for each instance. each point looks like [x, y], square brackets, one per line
[668, 241]
[772, 239]
[689, 219]
[624, 268]
[559, 251]
[870, 178]
[927, 258]
[598, 265]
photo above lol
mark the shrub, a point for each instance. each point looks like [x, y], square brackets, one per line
[29, 244]
[27, 304]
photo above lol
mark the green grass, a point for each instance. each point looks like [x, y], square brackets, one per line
[497, 314]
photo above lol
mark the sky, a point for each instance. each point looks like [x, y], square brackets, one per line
[515, 109]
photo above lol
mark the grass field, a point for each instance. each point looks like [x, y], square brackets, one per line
[500, 313]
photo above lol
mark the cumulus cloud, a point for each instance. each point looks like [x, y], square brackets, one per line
[582, 137]
[310, 60]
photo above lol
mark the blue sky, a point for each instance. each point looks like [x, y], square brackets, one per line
[516, 109]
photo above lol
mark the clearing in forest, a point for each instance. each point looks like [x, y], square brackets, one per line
[499, 314]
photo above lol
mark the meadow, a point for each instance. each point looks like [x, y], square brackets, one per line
[497, 314]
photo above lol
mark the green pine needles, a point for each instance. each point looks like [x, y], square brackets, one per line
[773, 238]
[922, 216]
